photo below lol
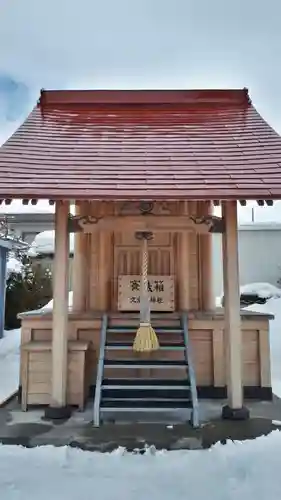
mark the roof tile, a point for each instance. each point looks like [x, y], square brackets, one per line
[142, 144]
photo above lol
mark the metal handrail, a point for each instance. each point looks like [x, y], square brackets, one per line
[192, 379]
[100, 371]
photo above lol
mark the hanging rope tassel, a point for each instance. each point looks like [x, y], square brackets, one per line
[146, 339]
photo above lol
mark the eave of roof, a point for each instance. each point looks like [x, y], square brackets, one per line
[198, 144]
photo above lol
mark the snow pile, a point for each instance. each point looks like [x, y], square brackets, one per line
[49, 306]
[13, 266]
[262, 290]
[9, 364]
[44, 244]
[218, 301]
[249, 469]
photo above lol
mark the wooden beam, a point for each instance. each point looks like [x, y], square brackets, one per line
[170, 223]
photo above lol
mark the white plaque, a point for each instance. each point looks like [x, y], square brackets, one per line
[161, 290]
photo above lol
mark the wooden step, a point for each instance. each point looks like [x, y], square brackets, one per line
[134, 321]
[115, 346]
[142, 391]
[171, 383]
[133, 363]
[140, 404]
[133, 330]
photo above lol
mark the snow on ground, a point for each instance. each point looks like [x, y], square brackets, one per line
[9, 364]
[249, 469]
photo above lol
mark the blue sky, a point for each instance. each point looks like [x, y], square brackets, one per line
[138, 44]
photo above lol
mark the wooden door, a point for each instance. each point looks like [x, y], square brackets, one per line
[127, 257]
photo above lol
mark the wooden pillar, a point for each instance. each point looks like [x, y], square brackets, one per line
[183, 271]
[205, 263]
[233, 336]
[58, 405]
[3, 275]
[104, 269]
[93, 272]
[79, 267]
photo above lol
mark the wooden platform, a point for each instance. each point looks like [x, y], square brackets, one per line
[206, 333]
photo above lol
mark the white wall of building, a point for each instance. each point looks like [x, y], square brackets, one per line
[259, 255]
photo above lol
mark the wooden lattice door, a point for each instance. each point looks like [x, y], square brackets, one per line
[127, 257]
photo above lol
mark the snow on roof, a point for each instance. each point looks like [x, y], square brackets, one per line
[49, 306]
[13, 266]
[44, 244]
[262, 290]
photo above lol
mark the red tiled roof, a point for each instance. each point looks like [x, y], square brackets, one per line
[142, 144]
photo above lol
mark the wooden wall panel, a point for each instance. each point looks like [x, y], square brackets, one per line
[250, 355]
[202, 355]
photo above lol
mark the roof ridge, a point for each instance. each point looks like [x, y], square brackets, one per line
[179, 96]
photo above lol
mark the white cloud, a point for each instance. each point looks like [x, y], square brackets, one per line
[144, 43]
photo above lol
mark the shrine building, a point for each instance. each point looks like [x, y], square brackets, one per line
[145, 170]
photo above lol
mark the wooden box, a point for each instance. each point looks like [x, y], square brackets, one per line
[36, 373]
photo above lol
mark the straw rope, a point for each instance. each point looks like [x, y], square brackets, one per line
[146, 339]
